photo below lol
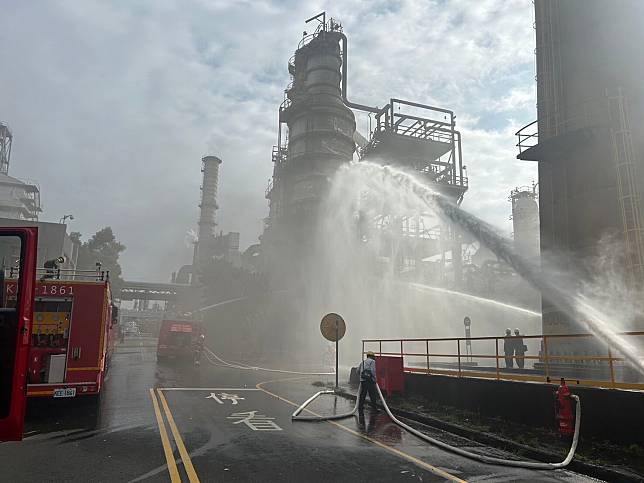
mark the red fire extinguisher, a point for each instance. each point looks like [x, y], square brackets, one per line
[564, 411]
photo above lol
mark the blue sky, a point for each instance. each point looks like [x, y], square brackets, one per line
[113, 104]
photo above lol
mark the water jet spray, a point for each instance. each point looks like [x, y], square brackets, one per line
[574, 305]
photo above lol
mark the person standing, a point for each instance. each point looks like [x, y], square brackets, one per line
[198, 349]
[519, 349]
[508, 348]
[367, 371]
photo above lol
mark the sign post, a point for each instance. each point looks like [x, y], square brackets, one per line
[468, 342]
[333, 329]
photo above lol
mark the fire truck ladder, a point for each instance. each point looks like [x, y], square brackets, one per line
[628, 192]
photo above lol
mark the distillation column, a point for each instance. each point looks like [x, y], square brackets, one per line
[320, 131]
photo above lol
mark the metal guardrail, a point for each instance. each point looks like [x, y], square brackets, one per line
[581, 115]
[528, 136]
[62, 274]
[597, 369]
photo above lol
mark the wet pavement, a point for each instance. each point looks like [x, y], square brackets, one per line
[215, 423]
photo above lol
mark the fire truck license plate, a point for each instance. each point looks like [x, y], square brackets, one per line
[66, 392]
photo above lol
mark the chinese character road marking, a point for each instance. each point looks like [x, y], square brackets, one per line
[214, 396]
[231, 397]
[256, 422]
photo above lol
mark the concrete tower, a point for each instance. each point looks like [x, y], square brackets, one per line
[589, 133]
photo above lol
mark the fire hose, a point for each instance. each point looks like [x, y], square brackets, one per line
[467, 454]
[215, 360]
[296, 415]
[461, 452]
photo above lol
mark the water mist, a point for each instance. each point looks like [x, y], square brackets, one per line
[404, 192]
[352, 271]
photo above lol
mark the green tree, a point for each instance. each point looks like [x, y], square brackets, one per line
[102, 247]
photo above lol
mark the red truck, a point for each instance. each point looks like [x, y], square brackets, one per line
[18, 247]
[178, 340]
[73, 332]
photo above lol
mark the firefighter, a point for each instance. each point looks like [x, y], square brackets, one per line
[51, 266]
[564, 411]
[367, 371]
[519, 349]
[198, 349]
[508, 348]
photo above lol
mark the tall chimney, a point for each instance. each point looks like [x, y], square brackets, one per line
[204, 248]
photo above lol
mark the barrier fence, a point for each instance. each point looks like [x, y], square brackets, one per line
[580, 358]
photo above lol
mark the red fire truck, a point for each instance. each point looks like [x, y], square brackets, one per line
[73, 333]
[177, 340]
[17, 248]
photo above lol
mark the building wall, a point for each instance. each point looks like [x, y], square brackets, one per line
[53, 241]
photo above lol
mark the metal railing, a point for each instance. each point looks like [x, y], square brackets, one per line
[44, 274]
[528, 136]
[580, 358]
[430, 122]
[582, 115]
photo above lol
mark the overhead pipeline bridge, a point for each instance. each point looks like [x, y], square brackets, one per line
[153, 291]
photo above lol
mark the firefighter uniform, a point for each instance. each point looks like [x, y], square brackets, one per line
[367, 371]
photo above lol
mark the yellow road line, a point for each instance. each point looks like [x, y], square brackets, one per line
[185, 457]
[402, 454]
[167, 450]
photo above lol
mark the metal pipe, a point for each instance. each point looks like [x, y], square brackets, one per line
[497, 359]
[352, 105]
[424, 106]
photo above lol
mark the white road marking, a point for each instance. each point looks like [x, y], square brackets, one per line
[256, 422]
[209, 389]
[214, 396]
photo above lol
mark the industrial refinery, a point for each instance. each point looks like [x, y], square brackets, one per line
[473, 267]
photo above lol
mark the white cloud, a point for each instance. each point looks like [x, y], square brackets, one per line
[113, 104]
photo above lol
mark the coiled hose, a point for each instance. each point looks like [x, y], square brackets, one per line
[461, 452]
[296, 415]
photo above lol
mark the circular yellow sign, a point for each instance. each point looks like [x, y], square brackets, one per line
[333, 327]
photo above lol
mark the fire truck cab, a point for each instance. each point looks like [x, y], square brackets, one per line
[73, 333]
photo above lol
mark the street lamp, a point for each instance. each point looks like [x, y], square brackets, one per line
[66, 217]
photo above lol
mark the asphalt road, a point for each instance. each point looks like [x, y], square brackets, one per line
[214, 423]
